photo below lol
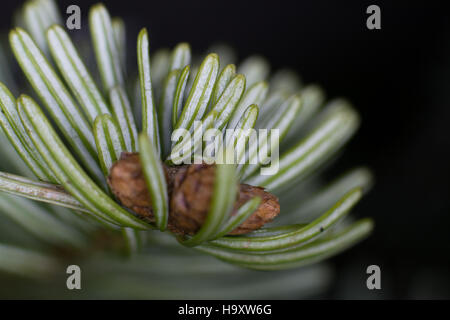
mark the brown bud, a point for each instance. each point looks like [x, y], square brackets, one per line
[268, 209]
[191, 197]
[127, 182]
[190, 190]
[191, 200]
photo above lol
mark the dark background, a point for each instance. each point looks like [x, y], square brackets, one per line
[397, 77]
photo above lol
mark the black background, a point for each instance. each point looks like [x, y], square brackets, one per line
[397, 77]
